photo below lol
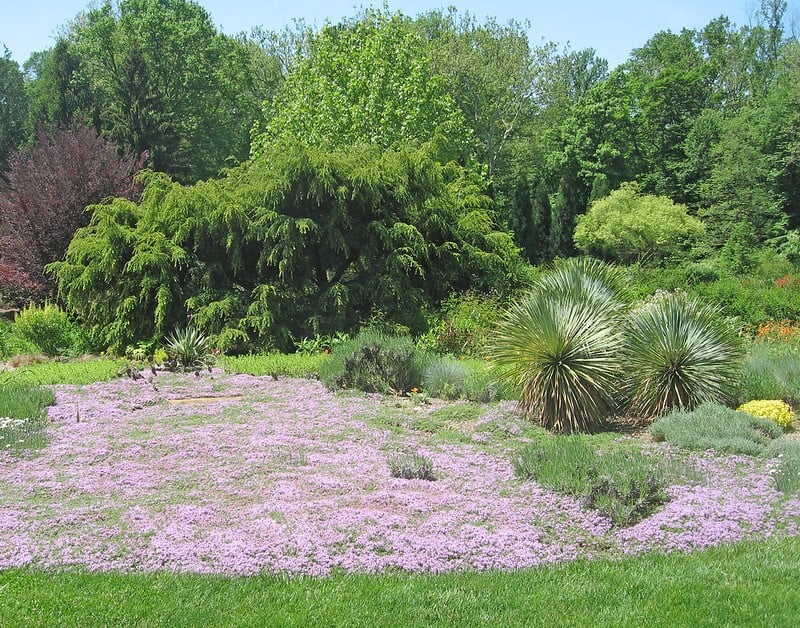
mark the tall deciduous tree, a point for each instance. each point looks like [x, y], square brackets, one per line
[168, 83]
[489, 71]
[368, 80]
[13, 107]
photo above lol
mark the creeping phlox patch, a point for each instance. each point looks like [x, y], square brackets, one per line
[772, 409]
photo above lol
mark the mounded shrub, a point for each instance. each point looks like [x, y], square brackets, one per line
[775, 410]
[714, 426]
[375, 362]
[49, 328]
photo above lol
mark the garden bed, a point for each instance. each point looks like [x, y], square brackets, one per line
[284, 476]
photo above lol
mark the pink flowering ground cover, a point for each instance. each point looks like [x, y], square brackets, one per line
[234, 474]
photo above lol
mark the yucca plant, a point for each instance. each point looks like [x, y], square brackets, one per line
[561, 345]
[680, 353]
[189, 348]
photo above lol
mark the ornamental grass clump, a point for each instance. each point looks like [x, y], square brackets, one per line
[775, 410]
[714, 426]
[680, 353]
[561, 345]
[411, 467]
[446, 377]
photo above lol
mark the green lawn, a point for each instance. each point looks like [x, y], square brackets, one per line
[750, 584]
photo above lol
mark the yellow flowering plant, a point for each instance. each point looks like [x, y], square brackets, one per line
[772, 409]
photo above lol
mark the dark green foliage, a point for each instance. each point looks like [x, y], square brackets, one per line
[374, 362]
[411, 467]
[713, 426]
[13, 107]
[163, 80]
[625, 486]
[679, 354]
[299, 240]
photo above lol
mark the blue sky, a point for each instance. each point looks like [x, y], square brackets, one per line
[612, 27]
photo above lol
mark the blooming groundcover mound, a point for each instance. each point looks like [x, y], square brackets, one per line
[236, 475]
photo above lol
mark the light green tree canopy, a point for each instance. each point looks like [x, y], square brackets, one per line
[364, 81]
[627, 226]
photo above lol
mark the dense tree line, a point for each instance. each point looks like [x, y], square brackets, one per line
[516, 142]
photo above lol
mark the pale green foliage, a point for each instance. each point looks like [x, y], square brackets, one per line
[366, 80]
[714, 426]
[561, 345]
[680, 353]
[627, 226]
[48, 327]
[189, 348]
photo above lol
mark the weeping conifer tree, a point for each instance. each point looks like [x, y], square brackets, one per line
[298, 241]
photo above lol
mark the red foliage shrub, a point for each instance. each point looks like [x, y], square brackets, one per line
[48, 187]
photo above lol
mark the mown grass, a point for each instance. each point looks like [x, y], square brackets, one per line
[79, 371]
[23, 413]
[276, 364]
[749, 584]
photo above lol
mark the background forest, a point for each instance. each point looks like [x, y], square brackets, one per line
[387, 170]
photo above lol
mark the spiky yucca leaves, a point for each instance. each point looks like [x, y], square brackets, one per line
[189, 348]
[680, 353]
[561, 345]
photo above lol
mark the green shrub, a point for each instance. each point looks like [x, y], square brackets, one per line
[411, 467]
[714, 426]
[626, 226]
[680, 353]
[446, 377]
[5, 344]
[49, 328]
[561, 345]
[464, 325]
[189, 348]
[374, 362]
[625, 486]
